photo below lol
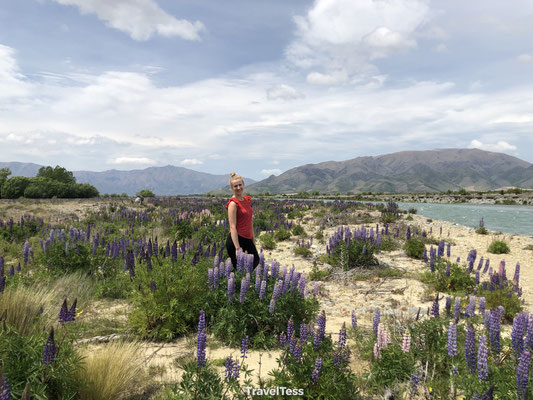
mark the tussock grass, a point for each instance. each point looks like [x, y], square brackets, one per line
[25, 306]
[41, 302]
[114, 371]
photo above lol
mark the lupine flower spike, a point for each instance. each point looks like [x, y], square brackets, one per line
[49, 349]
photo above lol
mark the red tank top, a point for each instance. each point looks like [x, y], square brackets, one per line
[244, 216]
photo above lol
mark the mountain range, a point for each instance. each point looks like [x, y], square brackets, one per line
[407, 171]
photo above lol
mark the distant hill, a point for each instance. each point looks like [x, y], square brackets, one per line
[407, 171]
[164, 181]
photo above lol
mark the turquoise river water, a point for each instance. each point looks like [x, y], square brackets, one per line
[499, 218]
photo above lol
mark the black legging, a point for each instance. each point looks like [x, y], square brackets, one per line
[247, 245]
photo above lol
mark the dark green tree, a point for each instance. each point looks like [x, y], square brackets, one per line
[57, 174]
[145, 193]
[14, 187]
[4, 173]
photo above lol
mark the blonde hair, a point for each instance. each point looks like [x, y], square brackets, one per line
[233, 177]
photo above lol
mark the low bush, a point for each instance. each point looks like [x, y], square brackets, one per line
[267, 241]
[302, 251]
[499, 247]
[23, 362]
[282, 234]
[253, 313]
[414, 247]
[359, 254]
[298, 230]
[449, 278]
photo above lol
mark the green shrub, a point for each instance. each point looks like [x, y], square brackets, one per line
[388, 244]
[333, 382]
[267, 241]
[359, 254]
[412, 210]
[22, 362]
[172, 309]
[282, 234]
[320, 235]
[235, 320]
[456, 280]
[298, 230]
[67, 257]
[414, 247]
[145, 193]
[302, 251]
[505, 297]
[317, 274]
[499, 247]
[481, 230]
[295, 214]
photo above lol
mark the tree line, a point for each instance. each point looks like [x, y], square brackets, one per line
[49, 183]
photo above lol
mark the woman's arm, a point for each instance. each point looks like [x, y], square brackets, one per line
[232, 217]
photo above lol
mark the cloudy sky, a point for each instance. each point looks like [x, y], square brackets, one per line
[260, 86]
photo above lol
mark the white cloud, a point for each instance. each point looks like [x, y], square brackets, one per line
[274, 171]
[191, 161]
[500, 146]
[441, 48]
[12, 82]
[345, 35]
[317, 78]
[141, 19]
[525, 58]
[283, 92]
[131, 160]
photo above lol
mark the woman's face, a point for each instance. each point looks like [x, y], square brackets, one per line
[238, 187]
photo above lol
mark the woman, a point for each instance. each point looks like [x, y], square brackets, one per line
[241, 234]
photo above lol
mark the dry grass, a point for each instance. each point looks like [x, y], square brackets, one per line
[41, 303]
[24, 307]
[113, 371]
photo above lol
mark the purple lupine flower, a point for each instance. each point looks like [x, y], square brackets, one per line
[487, 320]
[297, 352]
[153, 286]
[282, 339]
[245, 343]
[482, 305]
[11, 271]
[448, 306]
[63, 312]
[487, 265]
[471, 307]
[522, 373]
[49, 349]
[482, 359]
[354, 320]
[516, 277]
[517, 334]
[316, 371]
[413, 384]
[71, 314]
[201, 342]
[258, 274]
[26, 254]
[470, 348]
[277, 289]
[316, 289]
[243, 288]
[448, 249]
[5, 390]
[448, 269]
[452, 340]
[231, 287]
[494, 334]
[375, 320]
[301, 286]
[457, 308]
[290, 328]
[210, 278]
[342, 336]
[2, 283]
[230, 367]
[435, 307]
[272, 306]
[425, 255]
[262, 291]
[320, 330]
[477, 277]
